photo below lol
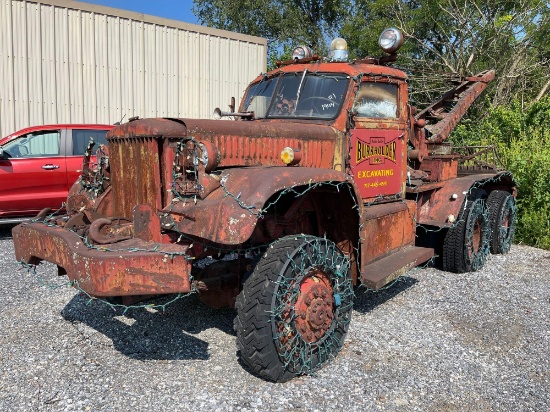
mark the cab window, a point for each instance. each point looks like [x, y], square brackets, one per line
[378, 100]
[258, 97]
[298, 95]
[37, 144]
[81, 138]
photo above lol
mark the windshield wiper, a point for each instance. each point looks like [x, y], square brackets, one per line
[300, 88]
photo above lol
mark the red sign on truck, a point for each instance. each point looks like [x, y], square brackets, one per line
[377, 161]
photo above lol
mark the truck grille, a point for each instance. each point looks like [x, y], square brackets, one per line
[135, 174]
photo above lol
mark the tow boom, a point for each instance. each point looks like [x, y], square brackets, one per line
[446, 112]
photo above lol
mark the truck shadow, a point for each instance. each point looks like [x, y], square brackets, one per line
[148, 334]
[366, 300]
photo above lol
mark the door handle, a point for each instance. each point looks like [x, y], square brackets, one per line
[50, 167]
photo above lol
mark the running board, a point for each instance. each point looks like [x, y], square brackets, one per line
[378, 274]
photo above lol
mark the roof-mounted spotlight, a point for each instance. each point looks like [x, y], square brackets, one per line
[390, 40]
[338, 50]
[302, 52]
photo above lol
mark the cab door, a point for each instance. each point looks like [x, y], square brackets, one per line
[33, 174]
[378, 141]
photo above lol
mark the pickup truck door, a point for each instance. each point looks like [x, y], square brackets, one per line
[77, 142]
[33, 174]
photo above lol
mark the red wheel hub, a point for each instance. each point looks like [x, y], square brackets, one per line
[506, 222]
[314, 307]
[477, 236]
[476, 239]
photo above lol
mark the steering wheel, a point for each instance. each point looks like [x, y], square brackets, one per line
[320, 98]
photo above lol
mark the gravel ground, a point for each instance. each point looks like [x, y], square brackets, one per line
[435, 341]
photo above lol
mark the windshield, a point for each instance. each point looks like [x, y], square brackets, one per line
[297, 95]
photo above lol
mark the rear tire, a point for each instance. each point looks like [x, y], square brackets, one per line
[466, 244]
[503, 218]
[294, 311]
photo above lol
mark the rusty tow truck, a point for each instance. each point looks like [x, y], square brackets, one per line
[323, 179]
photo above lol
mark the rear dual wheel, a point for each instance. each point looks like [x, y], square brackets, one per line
[295, 308]
[503, 217]
[466, 244]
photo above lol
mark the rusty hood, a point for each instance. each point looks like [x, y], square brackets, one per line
[176, 128]
[243, 143]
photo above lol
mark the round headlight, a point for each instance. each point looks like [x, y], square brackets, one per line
[338, 50]
[390, 40]
[302, 52]
[210, 156]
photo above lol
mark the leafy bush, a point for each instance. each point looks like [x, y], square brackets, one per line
[522, 137]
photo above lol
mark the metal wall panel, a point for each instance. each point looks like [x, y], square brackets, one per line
[70, 62]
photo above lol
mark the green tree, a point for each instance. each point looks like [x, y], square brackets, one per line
[462, 37]
[282, 22]
[522, 137]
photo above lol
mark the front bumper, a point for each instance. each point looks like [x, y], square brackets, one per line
[131, 267]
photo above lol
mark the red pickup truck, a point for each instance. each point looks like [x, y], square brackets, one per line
[39, 164]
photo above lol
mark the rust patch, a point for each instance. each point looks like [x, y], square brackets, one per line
[146, 223]
[130, 268]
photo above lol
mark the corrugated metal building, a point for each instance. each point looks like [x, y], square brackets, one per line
[63, 61]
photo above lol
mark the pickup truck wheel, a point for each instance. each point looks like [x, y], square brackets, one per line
[503, 218]
[466, 244]
[294, 310]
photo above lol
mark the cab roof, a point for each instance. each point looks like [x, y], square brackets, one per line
[352, 69]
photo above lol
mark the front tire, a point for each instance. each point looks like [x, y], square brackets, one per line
[294, 311]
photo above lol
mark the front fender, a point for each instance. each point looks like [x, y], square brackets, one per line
[230, 213]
